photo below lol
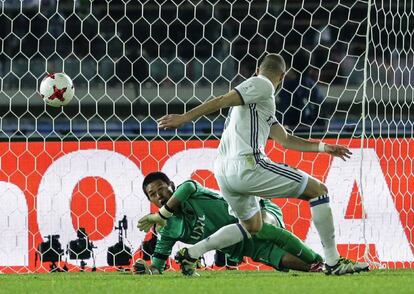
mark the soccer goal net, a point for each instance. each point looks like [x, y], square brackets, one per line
[71, 177]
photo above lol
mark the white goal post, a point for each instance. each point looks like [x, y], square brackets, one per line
[350, 81]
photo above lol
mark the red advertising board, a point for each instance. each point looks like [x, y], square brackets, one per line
[58, 187]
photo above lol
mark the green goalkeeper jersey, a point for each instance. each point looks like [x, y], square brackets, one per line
[202, 213]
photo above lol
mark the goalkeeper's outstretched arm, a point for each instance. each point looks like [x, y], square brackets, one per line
[160, 251]
[183, 192]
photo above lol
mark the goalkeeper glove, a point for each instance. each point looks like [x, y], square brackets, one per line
[146, 223]
[141, 268]
[159, 219]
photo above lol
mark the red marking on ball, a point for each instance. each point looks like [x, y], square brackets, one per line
[57, 94]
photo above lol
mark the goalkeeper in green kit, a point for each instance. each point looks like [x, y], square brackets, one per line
[191, 213]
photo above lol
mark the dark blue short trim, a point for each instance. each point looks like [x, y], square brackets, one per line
[280, 171]
[254, 135]
[252, 127]
[321, 200]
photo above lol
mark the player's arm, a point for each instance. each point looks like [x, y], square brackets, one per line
[162, 251]
[173, 121]
[289, 141]
[183, 192]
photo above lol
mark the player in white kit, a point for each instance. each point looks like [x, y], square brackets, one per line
[244, 172]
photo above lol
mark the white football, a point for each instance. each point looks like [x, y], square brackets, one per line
[57, 89]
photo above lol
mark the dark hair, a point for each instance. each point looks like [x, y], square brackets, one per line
[151, 177]
[274, 63]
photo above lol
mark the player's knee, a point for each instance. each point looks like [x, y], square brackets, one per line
[323, 188]
[319, 190]
[314, 189]
[269, 218]
[253, 227]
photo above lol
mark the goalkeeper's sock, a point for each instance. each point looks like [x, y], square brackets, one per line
[323, 220]
[224, 237]
[288, 242]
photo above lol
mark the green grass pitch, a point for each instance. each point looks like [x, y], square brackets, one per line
[233, 282]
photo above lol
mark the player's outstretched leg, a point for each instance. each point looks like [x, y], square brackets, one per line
[186, 262]
[346, 266]
[289, 242]
[323, 220]
[288, 261]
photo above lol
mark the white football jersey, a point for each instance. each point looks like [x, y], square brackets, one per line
[247, 126]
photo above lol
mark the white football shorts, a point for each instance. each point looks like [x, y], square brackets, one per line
[242, 180]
